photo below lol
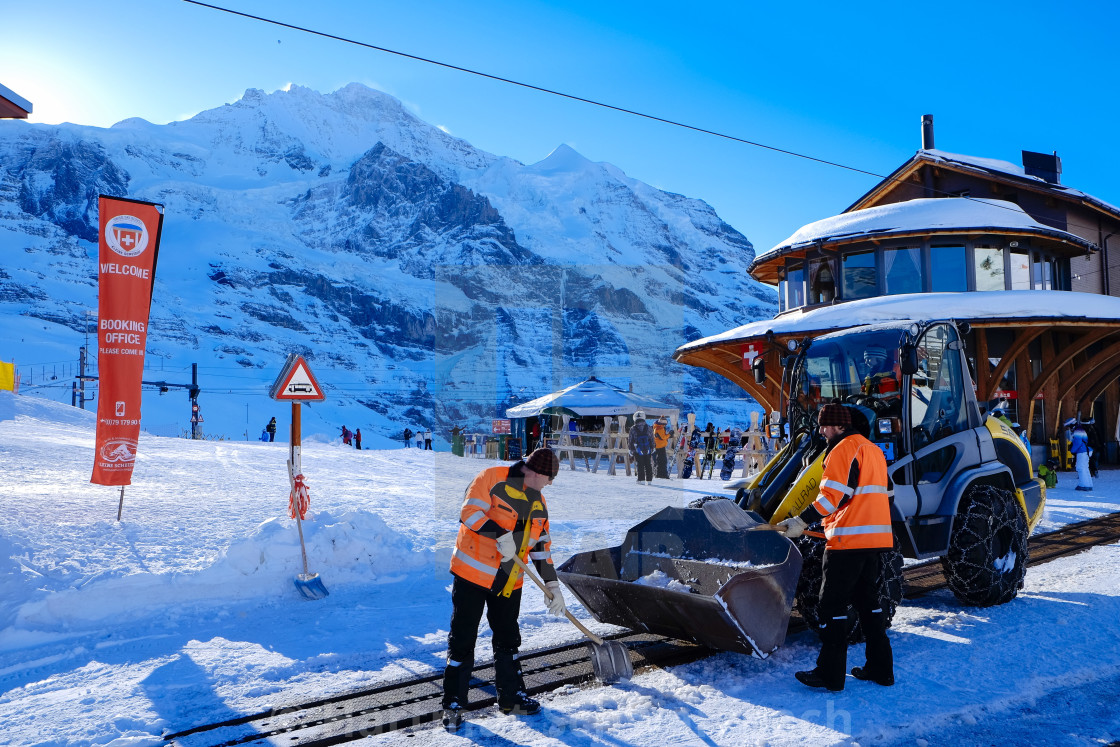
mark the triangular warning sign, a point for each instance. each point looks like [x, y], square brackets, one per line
[296, 382]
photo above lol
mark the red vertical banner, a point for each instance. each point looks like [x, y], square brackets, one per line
[129, 235]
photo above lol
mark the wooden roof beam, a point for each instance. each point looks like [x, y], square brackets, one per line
[1067, 355]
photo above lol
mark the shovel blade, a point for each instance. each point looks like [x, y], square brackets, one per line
[310, 586]
[611, 662]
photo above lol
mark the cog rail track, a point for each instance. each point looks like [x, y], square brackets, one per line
[400, 705]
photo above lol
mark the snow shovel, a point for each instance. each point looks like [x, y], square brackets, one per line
[609, 659]
[308, 584]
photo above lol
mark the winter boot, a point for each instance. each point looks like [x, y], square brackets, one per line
[519, 704]
[456, 685]
[813, 678]
[452, 716]
[862, 673]
[879, 663]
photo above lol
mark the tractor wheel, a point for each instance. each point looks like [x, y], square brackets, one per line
[812, 573]
[987, 556]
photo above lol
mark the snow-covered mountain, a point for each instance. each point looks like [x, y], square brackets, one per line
[425, 281]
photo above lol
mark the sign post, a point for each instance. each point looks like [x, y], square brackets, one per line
[297, 384]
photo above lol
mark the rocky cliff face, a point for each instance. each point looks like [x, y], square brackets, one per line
[427, 283]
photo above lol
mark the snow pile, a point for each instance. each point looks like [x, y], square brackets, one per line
[357, 547]
[663, 581]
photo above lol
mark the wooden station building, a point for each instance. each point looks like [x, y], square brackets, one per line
[1022, 258]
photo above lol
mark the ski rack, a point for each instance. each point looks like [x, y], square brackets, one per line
[414, 703]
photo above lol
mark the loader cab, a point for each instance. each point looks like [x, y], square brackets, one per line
[859, 368]
[909, 384]
[907, 381]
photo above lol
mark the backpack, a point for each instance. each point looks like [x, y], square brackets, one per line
[641, 440]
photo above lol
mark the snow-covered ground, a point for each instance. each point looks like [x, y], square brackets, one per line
[185, 612]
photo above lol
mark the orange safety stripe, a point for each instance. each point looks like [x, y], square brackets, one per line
[859, 517]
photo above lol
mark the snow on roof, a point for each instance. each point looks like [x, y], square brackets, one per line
[594, 397]
[1010, 169]
[970, 305]
[947, 213]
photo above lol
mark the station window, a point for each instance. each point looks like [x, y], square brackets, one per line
[795, 286]
[987, 262]
[1020, 270]
[902, 271]
[858, 276]
[822, 281]
[1042, 272]
[948, 269]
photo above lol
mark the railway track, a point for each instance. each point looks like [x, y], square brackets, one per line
[399, 705]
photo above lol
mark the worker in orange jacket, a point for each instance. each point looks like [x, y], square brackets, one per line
[883, 373]
[853, 506]
[503, 514]
[661, 436]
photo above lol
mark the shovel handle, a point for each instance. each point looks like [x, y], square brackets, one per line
[775, 528]
[548, 594]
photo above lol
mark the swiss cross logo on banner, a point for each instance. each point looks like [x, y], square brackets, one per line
[296, 382]
[751, 350]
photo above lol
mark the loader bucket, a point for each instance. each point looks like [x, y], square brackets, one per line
[692, 574]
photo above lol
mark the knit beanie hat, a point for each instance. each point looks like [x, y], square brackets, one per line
[543, 462]
[834, 414]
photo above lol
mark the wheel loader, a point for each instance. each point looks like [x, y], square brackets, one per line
[963, 491]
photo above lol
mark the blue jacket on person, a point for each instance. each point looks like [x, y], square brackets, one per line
[1079, 441]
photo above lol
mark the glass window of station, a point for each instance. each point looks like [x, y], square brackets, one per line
[918, 266]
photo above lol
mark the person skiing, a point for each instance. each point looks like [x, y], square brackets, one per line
[346, 436]
[853, 507]
[271, 428]
[408, 438]
[358, 439]
[503, 514]
[641, 447]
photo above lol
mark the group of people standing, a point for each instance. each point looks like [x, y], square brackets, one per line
[647, 446]
[423, 438]
[352, 437]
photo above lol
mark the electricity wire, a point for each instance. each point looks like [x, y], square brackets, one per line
[585, 100]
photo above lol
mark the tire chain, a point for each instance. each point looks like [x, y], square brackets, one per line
[971, 563]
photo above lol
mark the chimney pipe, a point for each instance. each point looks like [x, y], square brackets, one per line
[927, 132]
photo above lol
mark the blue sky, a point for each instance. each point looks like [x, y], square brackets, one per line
[841, 82]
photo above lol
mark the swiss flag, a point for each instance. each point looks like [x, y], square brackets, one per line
[751, 350]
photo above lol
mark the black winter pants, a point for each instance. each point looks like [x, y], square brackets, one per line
[645, 467]
[661, 463]
[851, 578]
[467, 604]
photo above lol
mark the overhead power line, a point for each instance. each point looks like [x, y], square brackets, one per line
[573, 97]
[532, 87]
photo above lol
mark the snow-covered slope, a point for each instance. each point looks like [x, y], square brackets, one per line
[114, 633]
[427, 283]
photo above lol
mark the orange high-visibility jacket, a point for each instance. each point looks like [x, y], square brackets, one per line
[883, 384]
[854, 497]
[497, 502]
[660, 437]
